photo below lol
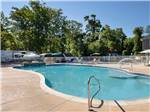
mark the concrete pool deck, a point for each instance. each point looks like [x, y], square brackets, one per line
[21, 91]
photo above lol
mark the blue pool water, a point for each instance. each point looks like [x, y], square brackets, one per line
[72, 80]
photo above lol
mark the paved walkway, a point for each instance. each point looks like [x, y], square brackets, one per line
[21, 92]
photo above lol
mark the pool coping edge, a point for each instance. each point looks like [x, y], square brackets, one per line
[79, 99]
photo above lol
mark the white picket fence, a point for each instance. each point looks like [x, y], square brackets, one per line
[139, 59]
[100, 59]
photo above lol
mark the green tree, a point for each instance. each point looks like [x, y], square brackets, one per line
[138, 31]
[93, 26]
[120, 38]
[98, 46]
[128, 46]
[37, 25]
[113, 38]
[39, 28]
[74, 38]
[42, 29]
[8, 41]
[108, 37]
[5, 23]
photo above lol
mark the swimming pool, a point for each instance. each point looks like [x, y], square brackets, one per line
[72, 80]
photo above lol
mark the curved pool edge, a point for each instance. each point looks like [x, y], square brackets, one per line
[79, 99]
[98, 65]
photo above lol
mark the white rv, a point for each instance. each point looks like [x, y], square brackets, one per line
[9, 56]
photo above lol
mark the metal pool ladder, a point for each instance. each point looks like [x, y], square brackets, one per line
[90, 99]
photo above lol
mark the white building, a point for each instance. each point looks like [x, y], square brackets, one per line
[146, 42]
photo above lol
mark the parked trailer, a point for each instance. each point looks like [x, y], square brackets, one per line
[11, 56]
[7, 56]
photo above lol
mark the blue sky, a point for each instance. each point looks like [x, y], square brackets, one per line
[125, 14]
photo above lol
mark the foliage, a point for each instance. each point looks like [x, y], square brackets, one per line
[114, 38]
[8, 41]
[36, 27]
[137, 39]
[73, 36]
[128, 44]
[93, 26]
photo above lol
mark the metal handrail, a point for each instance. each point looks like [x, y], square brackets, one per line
[131, 63]
[131, 67]
[91, 99]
